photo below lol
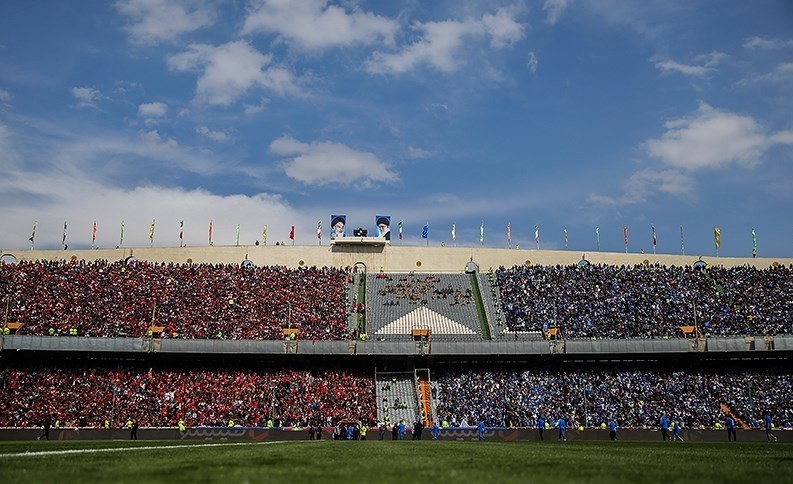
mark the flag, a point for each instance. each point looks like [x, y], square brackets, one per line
[93, 235]
[482, 234]
[655, 240]
[625, 233]
[319, 230]
[537, 234]
[454, 232]
[425, 231]
[237, 235]
[566, 238]
[210, 232]
[509, 234]
[181, 232]
[597, 237]
[151, 231]
[400, 230]
[64, 234]
[292, 233]
[33, 234]
[264, 235]
[754, 239]
[121, 239]
[717, 236]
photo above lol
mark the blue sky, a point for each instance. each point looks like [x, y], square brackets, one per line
[561, 113]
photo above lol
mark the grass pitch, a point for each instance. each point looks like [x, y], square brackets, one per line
[389, 461]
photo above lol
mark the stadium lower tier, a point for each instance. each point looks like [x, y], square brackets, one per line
[99, 393]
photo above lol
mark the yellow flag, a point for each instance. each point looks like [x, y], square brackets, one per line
[717, 236]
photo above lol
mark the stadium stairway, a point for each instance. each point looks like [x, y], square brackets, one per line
[423, 379]
[480, 308]
[727, 410]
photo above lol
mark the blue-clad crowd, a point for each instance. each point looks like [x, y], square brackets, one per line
[653, 301]
[637, 398]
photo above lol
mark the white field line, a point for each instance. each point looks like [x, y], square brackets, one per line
[148, 447]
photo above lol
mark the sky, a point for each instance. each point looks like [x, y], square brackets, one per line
[571, 116]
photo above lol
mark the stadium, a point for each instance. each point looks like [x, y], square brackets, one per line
[291, 343]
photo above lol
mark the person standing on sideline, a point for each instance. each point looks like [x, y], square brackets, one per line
[676, 428]
[769, 425]
[561, 424]
[46, 426]
[436, 431]
[664, 427]
[540, 425]
[613, 430]
[729, 422]
[481, 429]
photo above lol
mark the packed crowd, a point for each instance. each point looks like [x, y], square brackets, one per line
[634, 397]
[607, 301]
[199, 395]
[188, 300]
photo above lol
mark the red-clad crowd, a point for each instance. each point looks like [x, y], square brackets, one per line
[189, 300]
[199, 395]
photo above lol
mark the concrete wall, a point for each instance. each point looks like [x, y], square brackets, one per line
[394, 258]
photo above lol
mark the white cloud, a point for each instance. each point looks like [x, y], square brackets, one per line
[230, 70]
[783, 72]
[5, 95]
[712, 138]
[532, 63]
[314, 25]
[440, 42]
[418, 153]
[642, 184]
[152, 113]
[219, 136]
[707, 64]
[555, 9]
[765, 43]
[325, 163]
[155, 21]
[87, 97]
[503, 28]
[437, 47]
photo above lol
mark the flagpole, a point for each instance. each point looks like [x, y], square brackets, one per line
[682, 242]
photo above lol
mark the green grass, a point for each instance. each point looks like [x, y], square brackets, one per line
[403, 462]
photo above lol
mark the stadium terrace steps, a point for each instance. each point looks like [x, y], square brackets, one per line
[396, 397]
[728, 411]
[399, 303]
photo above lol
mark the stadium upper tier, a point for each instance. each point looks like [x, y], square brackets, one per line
[609, 296]
[188, 300]
[647, 301]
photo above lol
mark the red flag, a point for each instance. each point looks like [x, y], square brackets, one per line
[210, 232]
[625, 233]
[93, 238]
[292, 233]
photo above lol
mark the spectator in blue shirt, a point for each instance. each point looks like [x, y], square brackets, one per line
[729, 422]
[613, 430]
[481, 429]
[664, 427]
[540, 426]
[562, 426]
[401, 430]
[436, 431]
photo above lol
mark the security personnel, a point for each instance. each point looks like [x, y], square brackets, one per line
[364, 428]
[269, 423]
[182, 428]
[57, 423]
[231, 423]
[107, 423]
